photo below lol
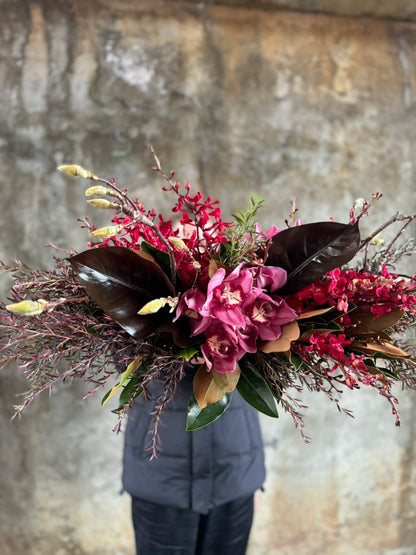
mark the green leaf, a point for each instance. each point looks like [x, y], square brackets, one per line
[374, 369]
[130, 374]
[256, 199]
[225, 250]
[130, 391]
[107, 396]
[124, 377]
[239, 218]
[161, 257]
[254, 389]
[309, 251]
[199, 418]
[295, 360]
[188, 352]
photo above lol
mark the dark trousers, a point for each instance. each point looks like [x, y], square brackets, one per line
[164, 530]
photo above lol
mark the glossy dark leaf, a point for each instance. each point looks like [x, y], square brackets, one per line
[254, 390]
[121, 282]
[309, 251]
[210, 386]
[199, 418]
[379, 349]
[363, 322]
[160, 257]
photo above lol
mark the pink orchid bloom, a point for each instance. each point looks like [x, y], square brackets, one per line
[247, 339]
[268, 316]
[270, 278]
[271, 232]
[226, 294]
[190, 304]
[235, 312]
[221, 349]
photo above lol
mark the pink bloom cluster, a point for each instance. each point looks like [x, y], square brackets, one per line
[236, 312]
[329, 347]
[339, 288]
[202, 218]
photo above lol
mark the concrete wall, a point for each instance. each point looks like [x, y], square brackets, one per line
[293, 105]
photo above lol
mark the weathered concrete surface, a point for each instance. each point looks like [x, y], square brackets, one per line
[315, 107]
[391, 9]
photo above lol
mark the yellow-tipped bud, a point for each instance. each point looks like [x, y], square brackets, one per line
[377, 240]
[106, 232]
[153, 306]
[178, 243]
[98, 191]
[156, 304]
[102, 203]
[77, 171]
[28, 308]
[196, 265]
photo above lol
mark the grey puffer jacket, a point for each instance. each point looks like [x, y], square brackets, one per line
[196, 470]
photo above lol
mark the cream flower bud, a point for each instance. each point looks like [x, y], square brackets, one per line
[102, 203]
[106, 232]
[156, 304]
[77, 171]
[377, 240]
[28, 308]
[153, 306]
[178, 243]
[98, 191]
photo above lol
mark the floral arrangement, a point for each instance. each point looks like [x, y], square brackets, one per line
[266, 312]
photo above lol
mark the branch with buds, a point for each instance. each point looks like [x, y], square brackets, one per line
[125, 205]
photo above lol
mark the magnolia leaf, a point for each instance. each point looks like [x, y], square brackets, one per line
[374, 349]
[227, 381]
[199, 418]
[364, 322]
[210, 387]
[254, 389]
[28, 308]
[309, 251]
[214, 265]
[290, 332]
[313, 313]
[321, 330]
[121, 282]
